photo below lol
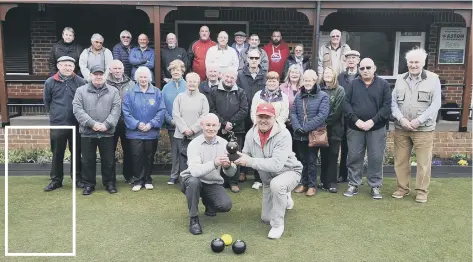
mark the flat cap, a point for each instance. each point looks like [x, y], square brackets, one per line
[66, 58]
[96, 69]
[240, 33]
[352, 52]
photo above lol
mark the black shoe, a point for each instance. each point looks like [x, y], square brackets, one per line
[209, 212]
[342, 180]
[52, 186]
[320, 186]
[333, 190]
[111, 189]
[129, 181]
[80, 184]
[194, 226]
[88, 190]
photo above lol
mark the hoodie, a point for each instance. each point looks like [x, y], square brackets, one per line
[277, 56]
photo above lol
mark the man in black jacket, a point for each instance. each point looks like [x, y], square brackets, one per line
[367, 107]
[230, 104]
[65, 47]
[352, 58]
[170, 53]
[212, 81]
[59, 91]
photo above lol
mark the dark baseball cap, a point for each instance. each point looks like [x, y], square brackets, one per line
[96, 69]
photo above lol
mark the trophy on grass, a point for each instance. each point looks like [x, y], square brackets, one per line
[232, 147]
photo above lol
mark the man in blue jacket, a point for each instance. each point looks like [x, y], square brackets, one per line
[142, 56]
[121, 51]
[59, 91]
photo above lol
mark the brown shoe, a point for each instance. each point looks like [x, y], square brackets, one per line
[421, 198]
[311, 192]
[235, 189]
[242, 177]
[300, 189]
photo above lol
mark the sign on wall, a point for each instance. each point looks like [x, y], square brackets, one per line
[452, 45]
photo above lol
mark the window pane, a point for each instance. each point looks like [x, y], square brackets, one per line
[403, 48]
[378, 46]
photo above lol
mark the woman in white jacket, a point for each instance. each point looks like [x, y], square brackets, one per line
[272, 94]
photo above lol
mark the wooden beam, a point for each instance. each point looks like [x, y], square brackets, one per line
[4, 10]
[157, 45]
[309, 13]
[315, 24]
[324, 13]
[466, 97]
[3, 84]
[466, 14]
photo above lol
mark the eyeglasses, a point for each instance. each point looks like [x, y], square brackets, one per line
[98, 42]
[363, 68]
[126, 36]
[254, 58]
[335, 36]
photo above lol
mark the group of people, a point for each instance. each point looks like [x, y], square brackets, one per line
[222, 97]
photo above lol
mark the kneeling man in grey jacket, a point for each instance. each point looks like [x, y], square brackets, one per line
[268, 150]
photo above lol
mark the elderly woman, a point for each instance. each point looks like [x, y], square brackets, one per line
[170, 91]
[270, 94]
[329, 155]
[143, 110]
[309, 112]
[187, 111]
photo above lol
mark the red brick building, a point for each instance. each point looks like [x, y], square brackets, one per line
[380, 30]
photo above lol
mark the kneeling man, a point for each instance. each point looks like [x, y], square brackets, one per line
[207, 158]
[267, 149]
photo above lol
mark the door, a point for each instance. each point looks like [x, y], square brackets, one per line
[188, 31]
[406, 41]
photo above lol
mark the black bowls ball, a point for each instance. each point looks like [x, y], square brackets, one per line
[217, 245]
[239, 247]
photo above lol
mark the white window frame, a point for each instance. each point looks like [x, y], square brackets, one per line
[400, 39]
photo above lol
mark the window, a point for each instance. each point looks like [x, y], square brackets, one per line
[16, 39]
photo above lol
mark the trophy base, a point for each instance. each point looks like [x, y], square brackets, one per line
[233, 157]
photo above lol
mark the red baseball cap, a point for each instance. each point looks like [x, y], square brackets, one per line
[265, 109]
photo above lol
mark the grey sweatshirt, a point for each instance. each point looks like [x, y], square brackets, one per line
[187, 110]
[92, 105]
[201, 160]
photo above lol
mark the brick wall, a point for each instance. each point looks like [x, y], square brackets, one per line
[18, 89]
[24, 138]
[43, 37]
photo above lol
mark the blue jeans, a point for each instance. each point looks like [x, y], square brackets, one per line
[308, 157]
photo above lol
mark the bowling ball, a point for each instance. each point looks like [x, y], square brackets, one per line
[217, 245]
[227, 239]
[232, 147]
[239, 247]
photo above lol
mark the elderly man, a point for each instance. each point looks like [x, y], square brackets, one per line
[254, 45]
[240, 42]
[121, 51]
[95, 55]
[277, 51]
[333, 53]
[59, 91]
[170, 53]
[208, 162]
[352, 59]
[66, 47]
[97, 107]
[266, 150]
[142, 56]
[211, 83]
[230, 104]
[298, 58]
[416, 99]
[122, 83]
[198, 51]
[222, 55]
[368, 107]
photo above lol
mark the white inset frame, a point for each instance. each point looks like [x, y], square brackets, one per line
[405, 37]
[73, 254]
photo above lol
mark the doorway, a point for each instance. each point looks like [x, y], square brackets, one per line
[188, 31]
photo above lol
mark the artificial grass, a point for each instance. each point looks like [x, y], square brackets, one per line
[153, 225]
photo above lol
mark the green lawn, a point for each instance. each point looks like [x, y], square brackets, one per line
[153, 225]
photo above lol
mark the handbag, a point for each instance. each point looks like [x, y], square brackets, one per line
[318, 137]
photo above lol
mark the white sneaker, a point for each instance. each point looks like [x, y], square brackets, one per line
[136, 188]
[149, 186]
[257, 185]
[276, 232]
[290, 202]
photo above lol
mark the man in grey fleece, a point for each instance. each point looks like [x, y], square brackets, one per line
[207, 160]
[97, 107]
[267, 150]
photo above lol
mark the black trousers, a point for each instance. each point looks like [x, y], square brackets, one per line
[343, 170]
[213, 196]
[182, 147]
[308, 158]
[127, 161]
[89, 149]
[60, 139]
[142, 152]
[329, 168]
[233, 181]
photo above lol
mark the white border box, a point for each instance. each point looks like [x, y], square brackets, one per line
[8, 254]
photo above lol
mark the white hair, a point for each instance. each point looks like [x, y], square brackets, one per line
[229, 70]
[417, 54]
[115, 62]
[212, 66]
[335, 30]
[211, 116]
[96, 37]
[125, 33]
[170, 34]
[143, 69]
[223, 33]
[194, 75]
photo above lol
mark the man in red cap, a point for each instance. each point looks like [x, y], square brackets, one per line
[267, 150]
